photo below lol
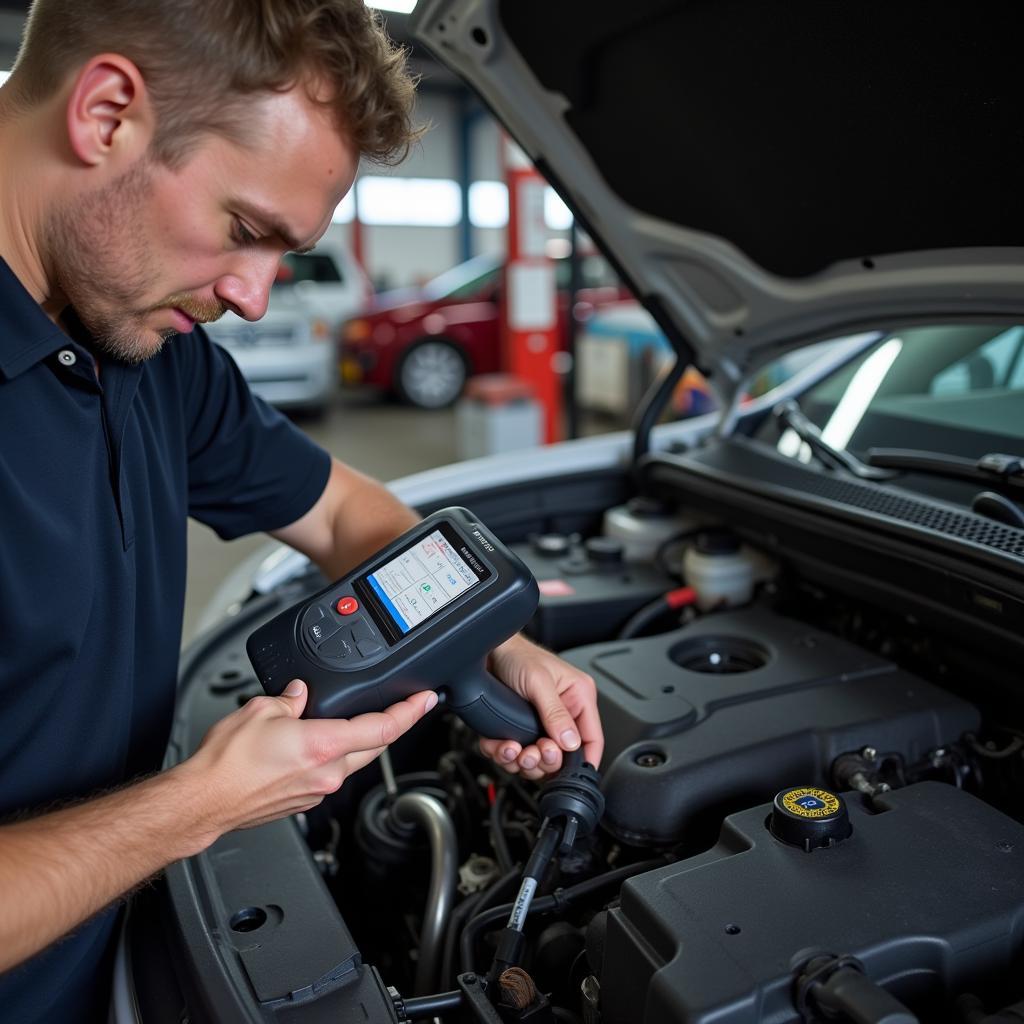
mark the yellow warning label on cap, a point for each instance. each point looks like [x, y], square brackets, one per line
[811, 803]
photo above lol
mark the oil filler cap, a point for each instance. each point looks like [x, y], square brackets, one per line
[810, 818]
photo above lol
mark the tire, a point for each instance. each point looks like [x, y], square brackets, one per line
[431, 374]
[315, 413]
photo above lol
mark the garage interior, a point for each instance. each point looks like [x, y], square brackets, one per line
[777, 576]
[452, 209]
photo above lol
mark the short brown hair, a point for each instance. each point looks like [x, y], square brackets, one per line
[202, 59]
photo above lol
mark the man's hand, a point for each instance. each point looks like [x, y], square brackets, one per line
[257, 764]
[356, 516]
[566, 700]
[263, 762]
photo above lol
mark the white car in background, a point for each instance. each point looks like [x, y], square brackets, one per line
[288, 356]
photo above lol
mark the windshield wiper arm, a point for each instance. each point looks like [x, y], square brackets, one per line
[790, 415]
[1000, 472]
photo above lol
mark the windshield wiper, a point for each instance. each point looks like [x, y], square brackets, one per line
[790, 415]
[1003, 473]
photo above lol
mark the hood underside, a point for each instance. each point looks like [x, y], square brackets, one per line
[768, 174]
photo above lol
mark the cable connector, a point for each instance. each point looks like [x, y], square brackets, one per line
[573, 798]
[830, 987]
[508, 953]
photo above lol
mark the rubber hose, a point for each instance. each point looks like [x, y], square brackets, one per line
[498, 840]
[431, 1006]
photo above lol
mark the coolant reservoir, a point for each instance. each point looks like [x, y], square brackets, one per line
[722, 570]
[642, 525]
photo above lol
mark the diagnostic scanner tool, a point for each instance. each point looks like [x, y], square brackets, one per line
[421, 614]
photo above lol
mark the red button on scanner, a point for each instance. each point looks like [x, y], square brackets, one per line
[347, 606]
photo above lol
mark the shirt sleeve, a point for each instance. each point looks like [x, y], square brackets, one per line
[249, 469]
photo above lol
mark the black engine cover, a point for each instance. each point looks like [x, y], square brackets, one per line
[928, 893]
[776, 703]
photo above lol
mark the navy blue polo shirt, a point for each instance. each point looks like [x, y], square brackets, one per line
[97, 478]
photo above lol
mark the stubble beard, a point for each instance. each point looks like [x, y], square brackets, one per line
[103, 266]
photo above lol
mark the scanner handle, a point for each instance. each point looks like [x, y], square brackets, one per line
[492, 709]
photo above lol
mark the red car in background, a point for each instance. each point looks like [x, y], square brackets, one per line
[422, 344]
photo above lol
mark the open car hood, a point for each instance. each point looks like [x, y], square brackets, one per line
[766, 175]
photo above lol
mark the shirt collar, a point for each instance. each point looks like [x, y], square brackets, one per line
[27, 334]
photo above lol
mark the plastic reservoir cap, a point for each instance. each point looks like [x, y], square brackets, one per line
[717, 542]
[810, 818]
[550, 545]
[647, 508]
[604, 550]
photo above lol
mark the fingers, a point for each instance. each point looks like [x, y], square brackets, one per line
[291, 702]
[529, 758]
[335, 738]
[558, 722]
[581, 699]
[360, 759]
[593, 736]
[540, 759]
[294, 697]
[533, 762]
[550, 755]
[504, 752]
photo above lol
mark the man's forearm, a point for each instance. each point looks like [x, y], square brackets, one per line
[353, 518]
[59, 869]
[370, 518]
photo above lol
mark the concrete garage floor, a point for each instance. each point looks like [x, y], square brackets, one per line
[383, 439]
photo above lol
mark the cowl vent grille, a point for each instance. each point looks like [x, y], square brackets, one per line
[747, 464]
[968, 527]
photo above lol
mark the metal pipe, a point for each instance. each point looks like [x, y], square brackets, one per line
[388, 771]
[433, 817]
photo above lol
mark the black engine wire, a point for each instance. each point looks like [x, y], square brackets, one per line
[498, 840]
[556, 901]
[420, 1007]
[478, 902]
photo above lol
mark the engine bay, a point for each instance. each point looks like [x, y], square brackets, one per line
[886, 886]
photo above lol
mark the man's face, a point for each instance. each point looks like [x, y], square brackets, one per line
[145, 256]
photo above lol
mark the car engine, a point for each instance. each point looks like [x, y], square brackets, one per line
[811, 813]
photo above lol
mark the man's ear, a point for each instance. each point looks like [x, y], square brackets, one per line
[109, 114]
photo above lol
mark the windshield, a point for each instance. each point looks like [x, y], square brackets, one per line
[955, 389]
[317, 267]
[463, 281]
[470, 279]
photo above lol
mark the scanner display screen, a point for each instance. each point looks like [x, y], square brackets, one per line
[417, 583]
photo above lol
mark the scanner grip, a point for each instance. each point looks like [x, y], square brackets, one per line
[493, 709]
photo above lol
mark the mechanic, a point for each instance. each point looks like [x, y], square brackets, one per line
[159, 158]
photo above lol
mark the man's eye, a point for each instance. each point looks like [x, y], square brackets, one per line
[243, 235]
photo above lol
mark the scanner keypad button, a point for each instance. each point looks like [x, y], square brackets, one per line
[368, 647]
[361, 630]
[322, 630]
[339, 646]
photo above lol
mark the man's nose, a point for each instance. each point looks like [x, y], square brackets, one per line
[246, 290]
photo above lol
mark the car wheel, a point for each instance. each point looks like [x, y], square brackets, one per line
[431, 374]
[315, 413]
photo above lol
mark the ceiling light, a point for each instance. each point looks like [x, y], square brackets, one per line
[401, 6]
